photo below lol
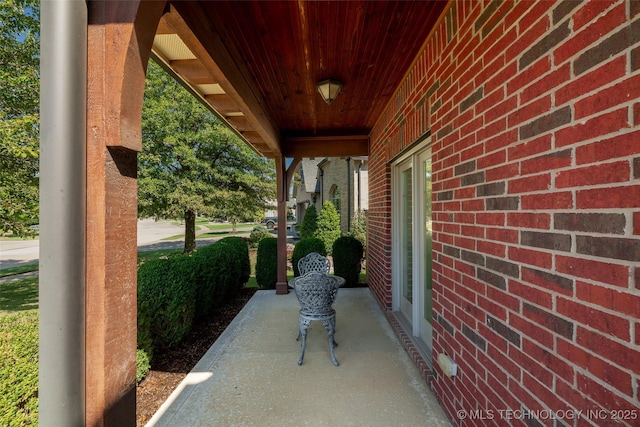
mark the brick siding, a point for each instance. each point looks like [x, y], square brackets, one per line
[534, 114]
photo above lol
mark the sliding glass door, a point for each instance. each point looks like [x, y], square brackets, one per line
[405, 248]
[412, 259]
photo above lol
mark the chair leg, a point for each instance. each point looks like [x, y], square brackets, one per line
[330, 326]
[304, 325]
[333, 356]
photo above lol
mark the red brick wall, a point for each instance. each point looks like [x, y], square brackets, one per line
[534, 113]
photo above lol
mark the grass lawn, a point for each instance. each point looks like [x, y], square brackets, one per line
[19, 352]
[217, 230]
[199, 221]
[18, 270]
[239, 226]
[144, 256]
[18, 295]
[218, 234]
[19, 368]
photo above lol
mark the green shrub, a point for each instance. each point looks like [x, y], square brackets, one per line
[240, 264]
[145, 340]
[207, 289]
[142, 365]
[309, 223]
[220, 271]
[359, 228]
[166, 300]
[214, 269]
[258, 233]
[347, 257]
[267, 263]
[19, 369]
[328, 225]
[305, 247]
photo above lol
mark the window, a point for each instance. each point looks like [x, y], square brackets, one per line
[335, 197]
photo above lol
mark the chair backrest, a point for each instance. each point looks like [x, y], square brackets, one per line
[313, 261]
[316, 293]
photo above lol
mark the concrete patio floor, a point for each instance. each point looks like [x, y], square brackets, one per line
[250, 376]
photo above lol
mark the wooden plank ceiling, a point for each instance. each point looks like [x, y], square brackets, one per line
[257, 63]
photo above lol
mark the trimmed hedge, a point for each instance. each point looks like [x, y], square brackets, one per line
[305, 247]
[176, 291]
[240, 253]
[166, 301]
[267, 263]
[218, 266]
[209, 280]
[347, 258]
[19, 369]
[221, 269]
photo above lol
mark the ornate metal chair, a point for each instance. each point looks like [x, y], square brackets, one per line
[316, 292]
[313, 261]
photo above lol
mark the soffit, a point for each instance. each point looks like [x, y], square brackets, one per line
[257, 63]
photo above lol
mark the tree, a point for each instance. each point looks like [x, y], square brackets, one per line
[192, 164]
[328, 225]
[309, 223]
[359, 227]
[19, 115]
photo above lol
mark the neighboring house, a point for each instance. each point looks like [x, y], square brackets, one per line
[307, 187]
[344, 182]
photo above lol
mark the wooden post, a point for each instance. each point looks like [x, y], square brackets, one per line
[282, 287]
[120, 35]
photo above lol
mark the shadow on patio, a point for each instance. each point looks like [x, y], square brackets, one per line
[250, 376]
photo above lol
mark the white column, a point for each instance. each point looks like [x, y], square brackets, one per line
[63, 65]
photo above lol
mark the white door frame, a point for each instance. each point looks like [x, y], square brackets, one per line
[413, 158]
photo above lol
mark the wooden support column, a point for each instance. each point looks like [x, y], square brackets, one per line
[283, 181]
[120, 35]
[282, 287]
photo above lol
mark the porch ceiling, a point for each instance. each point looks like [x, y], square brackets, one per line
[256, 64]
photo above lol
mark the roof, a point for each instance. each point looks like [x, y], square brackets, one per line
[309, 174]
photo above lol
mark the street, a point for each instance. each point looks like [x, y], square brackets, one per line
[14, 253]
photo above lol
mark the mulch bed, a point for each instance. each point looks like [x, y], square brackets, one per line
[169, 368]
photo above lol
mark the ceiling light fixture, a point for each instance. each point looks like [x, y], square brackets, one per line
[329, 89]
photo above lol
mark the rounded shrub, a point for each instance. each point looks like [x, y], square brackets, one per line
[347, 257]
[328, 225]
[166, 300]
[305, 247]
[258, 233]
[267, 263]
